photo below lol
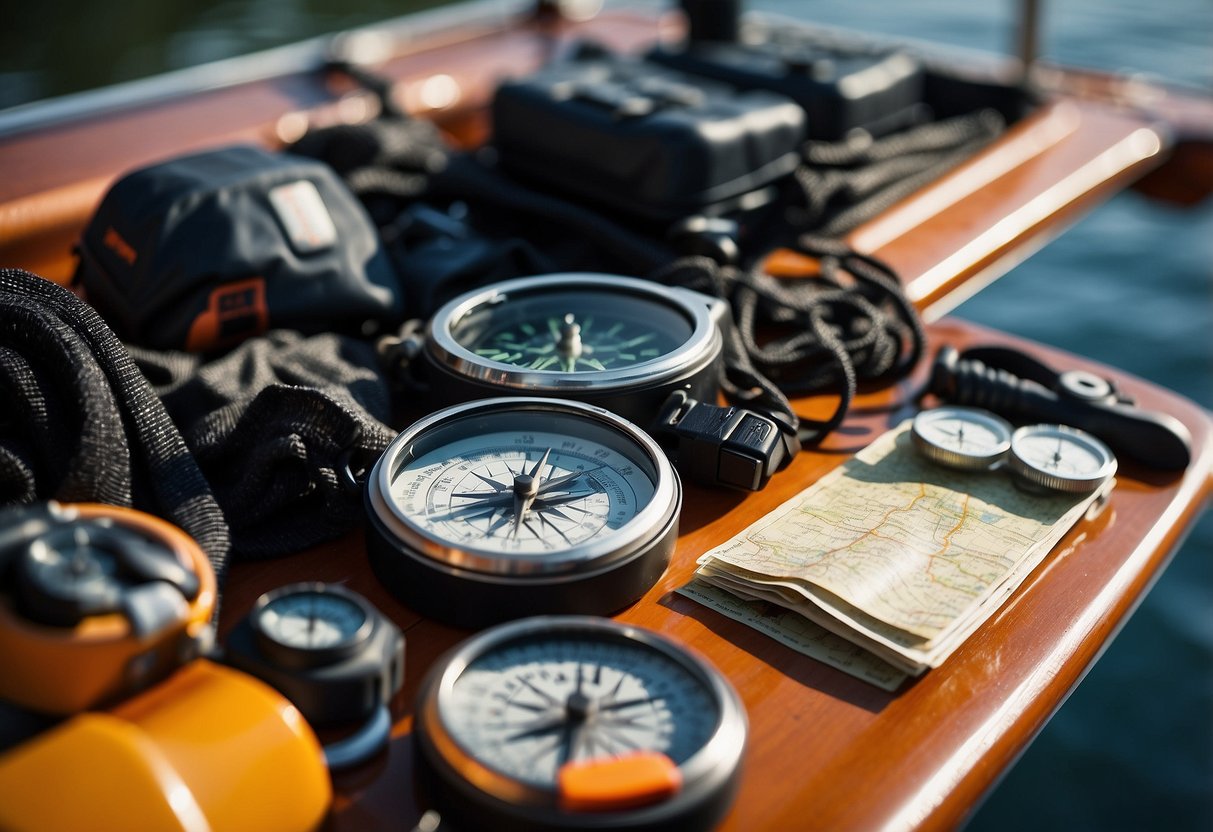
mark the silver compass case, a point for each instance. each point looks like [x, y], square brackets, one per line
[506, 507]
[615, 342]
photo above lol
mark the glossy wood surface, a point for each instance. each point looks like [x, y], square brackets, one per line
[826, 750]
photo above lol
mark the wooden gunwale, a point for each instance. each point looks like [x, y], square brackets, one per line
[826, 750]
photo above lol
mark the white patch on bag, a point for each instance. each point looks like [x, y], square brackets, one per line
[304, 215]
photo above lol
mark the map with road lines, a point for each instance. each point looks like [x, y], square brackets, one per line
[894, 553]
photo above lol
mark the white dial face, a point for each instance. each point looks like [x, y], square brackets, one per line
[547, 486]
[967, 432]
[311, 620]
[1062, 453]
[527, 708]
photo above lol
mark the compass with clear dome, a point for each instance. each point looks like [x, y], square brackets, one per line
[617, 342]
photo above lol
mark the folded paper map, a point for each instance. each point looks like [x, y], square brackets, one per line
[894, 553]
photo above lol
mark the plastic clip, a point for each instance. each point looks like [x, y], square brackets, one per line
[729, 446]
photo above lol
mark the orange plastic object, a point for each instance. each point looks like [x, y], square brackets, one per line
[622, 782]
[59, 670]
[208, 749]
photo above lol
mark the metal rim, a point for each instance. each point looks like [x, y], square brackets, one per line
[1076, 485]
[957, 459]
[641, 531]
[721, 752]
[699, 350]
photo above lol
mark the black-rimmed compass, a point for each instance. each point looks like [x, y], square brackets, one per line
[333, 654]
[578, 723]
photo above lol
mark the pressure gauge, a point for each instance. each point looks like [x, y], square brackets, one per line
[621, 343]
[304, 625]
[961, 437]
[578, 723]
[1060, 458]
[509, 507]
[332, 653]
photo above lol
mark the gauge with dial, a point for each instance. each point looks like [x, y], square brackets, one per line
[1060, 458]
[304, 625]
[332, 653]
[508, 507]
[617, 342]
[961, 437]
[574, 722]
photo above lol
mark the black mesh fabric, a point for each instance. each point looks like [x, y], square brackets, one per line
[274, 425]
[80, 423]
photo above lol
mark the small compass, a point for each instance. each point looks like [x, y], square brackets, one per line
[1060, 458]
[962, 437]
[621, 343]
[508, 507]
[304, 625]
[578, 723]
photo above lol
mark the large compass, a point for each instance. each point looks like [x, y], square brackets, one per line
[621, 343]
[507, 507]
[578, 723]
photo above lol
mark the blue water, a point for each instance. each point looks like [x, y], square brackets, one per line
[1131, 285]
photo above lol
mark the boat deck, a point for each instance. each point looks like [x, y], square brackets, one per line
[826, 750]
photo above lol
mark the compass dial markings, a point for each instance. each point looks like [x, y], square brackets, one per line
[469, 486]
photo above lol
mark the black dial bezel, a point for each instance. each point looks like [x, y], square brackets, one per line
[295, 656]
[482, 796]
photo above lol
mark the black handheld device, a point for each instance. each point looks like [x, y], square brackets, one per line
[1021, 389]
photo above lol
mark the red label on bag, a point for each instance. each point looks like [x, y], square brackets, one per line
[114, 242]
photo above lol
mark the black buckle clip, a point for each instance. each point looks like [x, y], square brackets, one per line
[729, 446]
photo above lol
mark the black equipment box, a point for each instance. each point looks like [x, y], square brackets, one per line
[653, 143]
[841, 89]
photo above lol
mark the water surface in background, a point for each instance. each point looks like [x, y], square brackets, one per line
[1130, 286]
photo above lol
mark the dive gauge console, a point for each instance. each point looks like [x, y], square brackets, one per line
[513, 506]
[578, 723]
[617, 342]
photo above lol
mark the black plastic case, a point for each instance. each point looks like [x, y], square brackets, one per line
[643, 139]
[840, 89]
